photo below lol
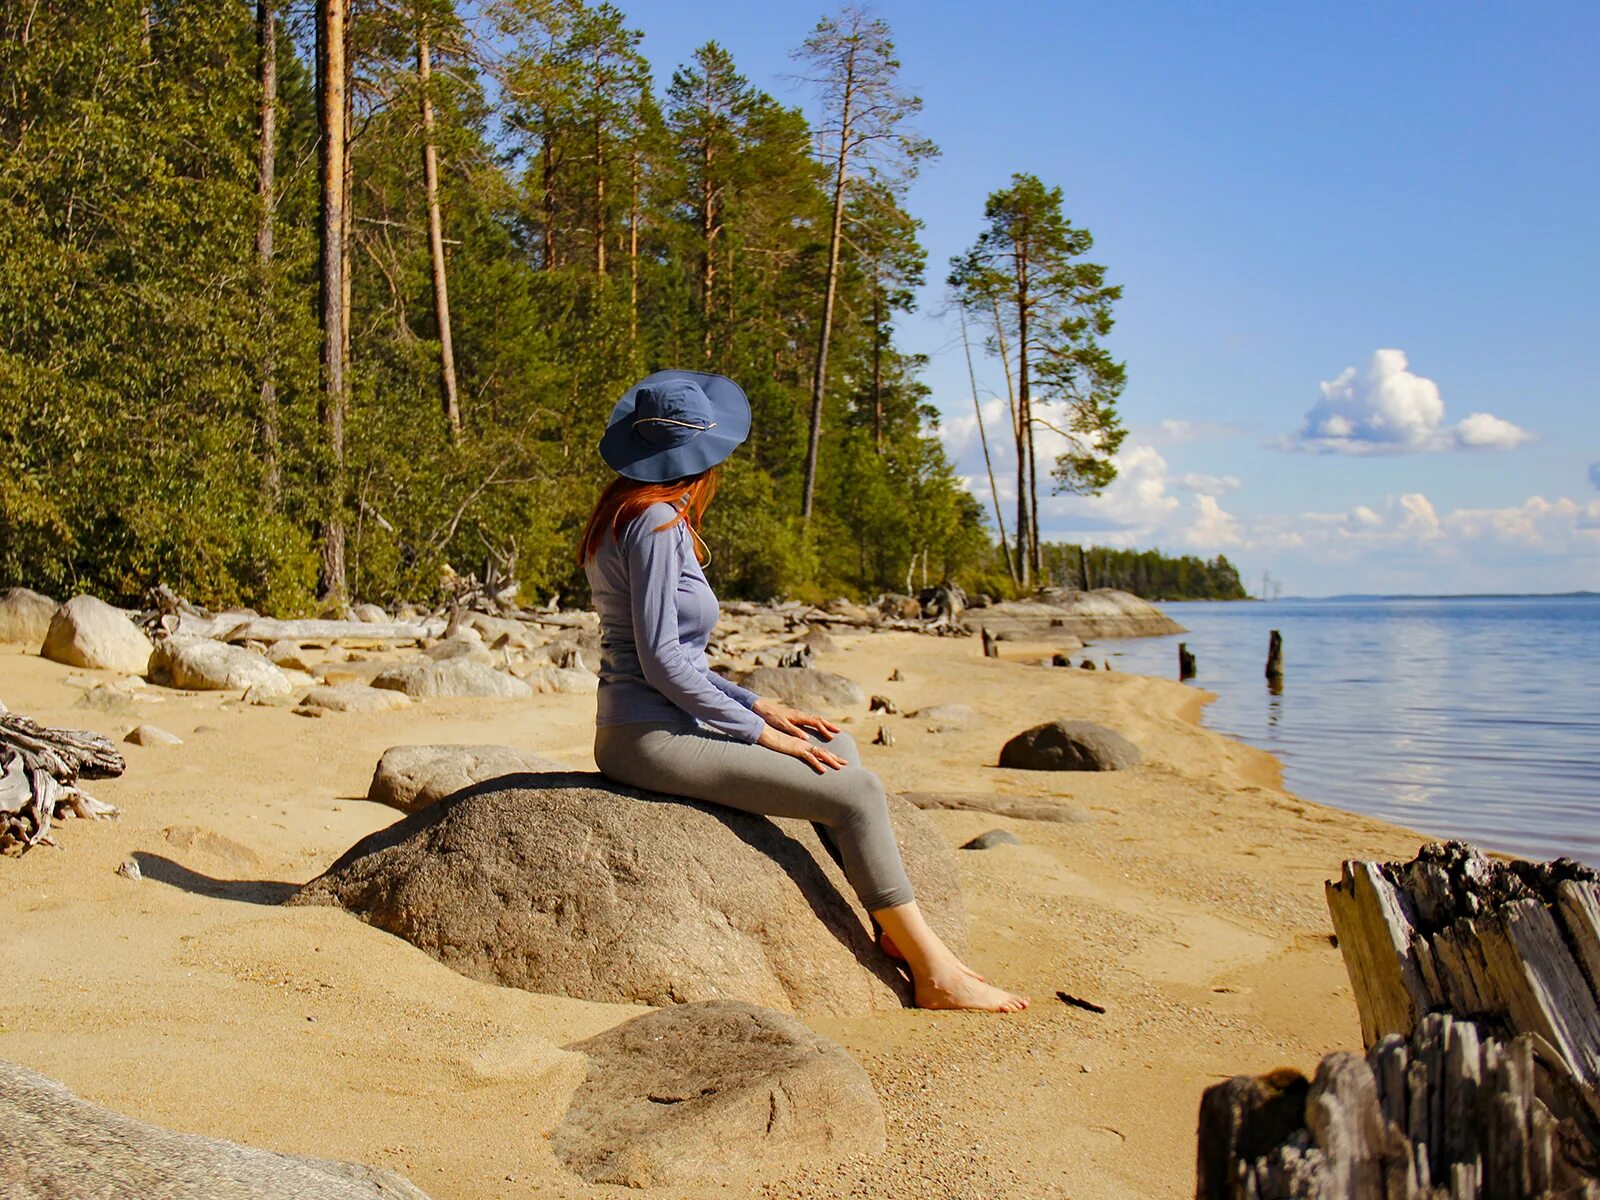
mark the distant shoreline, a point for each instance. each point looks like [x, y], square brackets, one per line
[1346, 596]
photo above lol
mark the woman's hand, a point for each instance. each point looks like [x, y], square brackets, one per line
[793, 720]
[814, 756]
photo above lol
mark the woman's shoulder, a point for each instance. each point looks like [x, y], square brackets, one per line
[649, 521]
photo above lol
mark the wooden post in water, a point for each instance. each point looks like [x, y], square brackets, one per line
[1275, 657]
[1186, 664]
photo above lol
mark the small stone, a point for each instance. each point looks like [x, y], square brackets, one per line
[884, 737]
[895, 676]
[1086, 665]
[152, 735]
[882, 704]
[130, 870]
[995, 837]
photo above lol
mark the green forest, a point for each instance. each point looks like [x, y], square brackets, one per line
[1147, 573]
[308, 302]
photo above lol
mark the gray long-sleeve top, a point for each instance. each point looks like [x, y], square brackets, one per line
[657, 611]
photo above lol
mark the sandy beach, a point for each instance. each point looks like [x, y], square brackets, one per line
[1189, 905]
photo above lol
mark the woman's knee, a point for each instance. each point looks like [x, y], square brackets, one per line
[844, 745]
[866, 800]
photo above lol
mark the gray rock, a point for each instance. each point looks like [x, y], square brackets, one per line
[86, 632]
[579, 887]
[369, 614]
[413, 777]
[354, 698]
[994, 837]
[152, 735]
[1070, 746]
[453, 677]
[717, 1092]
[804, 687]
[201, 664]
[286, 654]
[820, 641]
[472, 649]
[56, 1146]
[563, 681]
[884, 705]
[25, 616]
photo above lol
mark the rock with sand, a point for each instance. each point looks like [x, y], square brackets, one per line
[1020, 807]
[719, 1093]
[804, 687]
[200, 664]
[354, 698]
[55, 1145]
[369, 614]
[1070, 746]
[288, 655]
[947, 715]
[1059, 615]
[472, 649]
[580, 887]
[991, 839]
[25, 616]
[152, 735]
[413, 777]
[453, 677]
[559, 681]
[86, 632]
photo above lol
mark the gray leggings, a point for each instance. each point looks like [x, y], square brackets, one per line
[847, 806]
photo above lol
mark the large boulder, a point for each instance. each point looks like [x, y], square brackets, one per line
[413, 777]
[54, 1146]
[86, 632]
[720, 1091]
[561, 681]
[1070, 746]
[804, 687]
[573, 885]
[25, 616]
[201, 664]
[453, 677]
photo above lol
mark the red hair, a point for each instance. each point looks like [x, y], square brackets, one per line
[624, 499]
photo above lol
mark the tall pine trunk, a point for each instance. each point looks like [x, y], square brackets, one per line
[441, 288]
[266, 186]
[1026, 551]
[708, 235]
[331, 121]
[600, 202]
[547, 179]
[819, 377]
[877, 367]
[988, 463]
[633, 248]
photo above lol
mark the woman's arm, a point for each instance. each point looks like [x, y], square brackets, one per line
[732, 690]
[655, 563]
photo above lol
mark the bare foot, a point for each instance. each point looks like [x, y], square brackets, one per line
[886, 944]
[956, 990]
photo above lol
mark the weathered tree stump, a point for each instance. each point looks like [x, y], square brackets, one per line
[1452, 1112]
[39, 773]
[1186, 664]
[1514, 944]
[990, 649]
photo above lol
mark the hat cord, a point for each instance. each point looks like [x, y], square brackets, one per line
[670, 421]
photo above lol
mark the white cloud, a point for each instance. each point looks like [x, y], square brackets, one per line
[1210, 485]
[1384, 407]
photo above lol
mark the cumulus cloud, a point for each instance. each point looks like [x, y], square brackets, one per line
[1209, 485]
[1385, 407]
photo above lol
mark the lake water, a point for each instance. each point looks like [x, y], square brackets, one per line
[1469, 718]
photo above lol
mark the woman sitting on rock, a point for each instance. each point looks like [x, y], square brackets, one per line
[666, 722]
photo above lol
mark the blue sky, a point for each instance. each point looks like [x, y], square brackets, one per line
[1285, 191]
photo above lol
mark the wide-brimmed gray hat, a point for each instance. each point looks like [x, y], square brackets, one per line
[674, 424]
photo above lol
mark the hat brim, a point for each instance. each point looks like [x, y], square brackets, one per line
[629, 455]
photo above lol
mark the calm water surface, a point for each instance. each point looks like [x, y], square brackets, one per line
[1471, 718]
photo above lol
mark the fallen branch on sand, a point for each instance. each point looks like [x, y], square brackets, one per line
[39, 773]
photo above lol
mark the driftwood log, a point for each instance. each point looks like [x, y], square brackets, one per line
[39, 773]
[1516, 944]
[1452, 1112]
